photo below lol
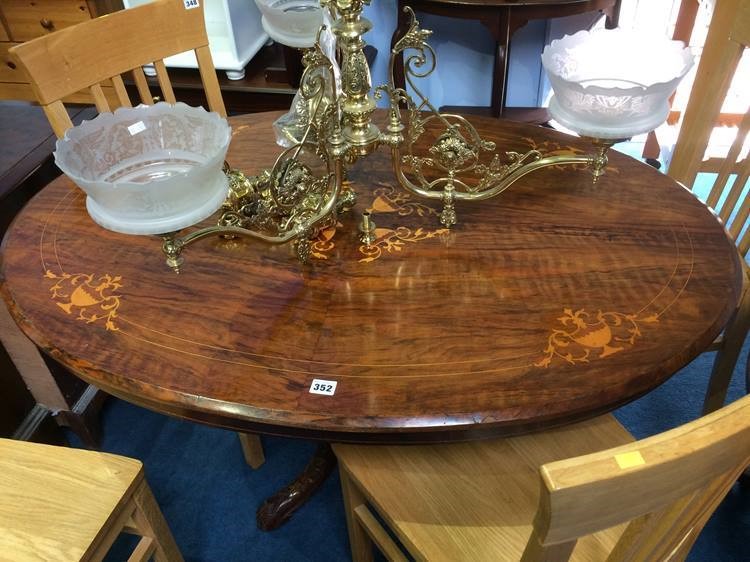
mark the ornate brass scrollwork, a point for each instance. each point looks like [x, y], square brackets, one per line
[303, 193]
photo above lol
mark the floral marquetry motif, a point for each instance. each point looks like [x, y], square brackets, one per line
[388, 200]
[390, 241]
[88, 297]
[585, 336]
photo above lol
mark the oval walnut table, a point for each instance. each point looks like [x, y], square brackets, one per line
[559, 300]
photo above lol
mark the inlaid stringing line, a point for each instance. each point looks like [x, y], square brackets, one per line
[57, 229]
[277, 357]
[318, 374]
[46, 223]
[674, 272]
[689, 275]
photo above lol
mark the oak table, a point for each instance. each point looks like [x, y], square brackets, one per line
[557, 301]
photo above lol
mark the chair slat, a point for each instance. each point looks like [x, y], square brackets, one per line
[732, 196]
[728, 167]
[143, 550]
[122, 93]
[142, 85]
[210, 82]
[58, 118]
[100, 100]
[166, 86]
[735, 229]
[743, 243]
[535, 551]
[378, 534]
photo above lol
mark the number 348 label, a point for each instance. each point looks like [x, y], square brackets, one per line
[320, 386]
[191, 4]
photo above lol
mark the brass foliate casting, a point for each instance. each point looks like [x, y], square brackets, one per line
[304, 191]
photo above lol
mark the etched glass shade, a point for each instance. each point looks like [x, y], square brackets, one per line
[293, 23]
[613, 84]
[149, 169]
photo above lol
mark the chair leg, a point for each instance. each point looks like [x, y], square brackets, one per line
[252, 448]
[359, 540]
[149, 522]
[726, 358]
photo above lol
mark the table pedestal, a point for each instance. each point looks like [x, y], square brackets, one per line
[277, 509]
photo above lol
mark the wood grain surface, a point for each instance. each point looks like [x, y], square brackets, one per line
[556, 301]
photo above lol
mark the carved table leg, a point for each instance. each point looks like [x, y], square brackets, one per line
[279, 507]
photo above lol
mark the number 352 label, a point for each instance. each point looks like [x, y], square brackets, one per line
[320, 386]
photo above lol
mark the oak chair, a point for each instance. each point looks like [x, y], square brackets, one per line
[609, 498]
[67, 504]
[727, 39]
[96, 54]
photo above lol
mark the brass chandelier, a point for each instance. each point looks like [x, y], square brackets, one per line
[304, 190]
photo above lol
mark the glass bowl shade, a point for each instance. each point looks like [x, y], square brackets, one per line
[148, 169]
[293, 23]
[611, 83]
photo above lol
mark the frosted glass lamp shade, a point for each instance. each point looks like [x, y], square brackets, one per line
[611, 83]
[149, 169]
[294, 23]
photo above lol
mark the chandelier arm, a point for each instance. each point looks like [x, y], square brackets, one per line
[499, 186]
[173, 244]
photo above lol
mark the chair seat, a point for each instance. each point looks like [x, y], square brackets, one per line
[482, 495]
[55, 501]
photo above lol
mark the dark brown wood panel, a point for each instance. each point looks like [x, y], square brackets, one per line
[557, 300]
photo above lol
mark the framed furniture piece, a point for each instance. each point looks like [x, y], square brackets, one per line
[582, 492]
[234, 31]
[57, 66]
[67, 504]
[560, 300]
[22, 20]
[726, 175]
[502, 18]
[43, 394]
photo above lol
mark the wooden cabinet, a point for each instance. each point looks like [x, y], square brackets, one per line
[26, 20]
[22, 20]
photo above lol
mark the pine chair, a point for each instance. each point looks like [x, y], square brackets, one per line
[95, 54]
[728, 37]
[67, 504]
[609, 498]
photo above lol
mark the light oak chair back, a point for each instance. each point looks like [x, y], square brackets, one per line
[98, 52]
[728, 38]
[667, 486]
[67, 504]
[603, 496]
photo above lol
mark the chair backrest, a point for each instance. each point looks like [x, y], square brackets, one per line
[666, 486]
[728, 37]
[99, 51]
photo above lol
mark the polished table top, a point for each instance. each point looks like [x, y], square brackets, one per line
[555, 301]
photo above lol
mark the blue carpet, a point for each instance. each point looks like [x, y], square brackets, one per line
[209, 495]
